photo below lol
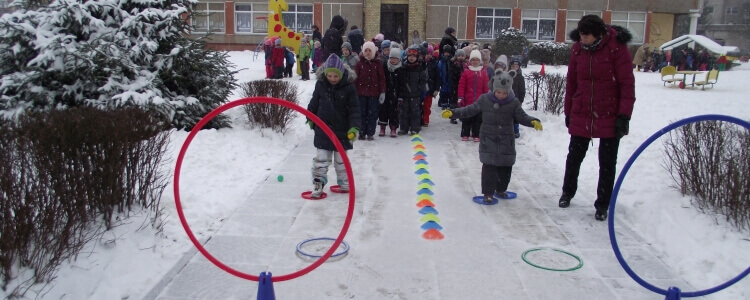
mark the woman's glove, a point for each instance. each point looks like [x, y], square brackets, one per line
[352, 133]
[447, 114]
[622, 126]
[537, 125]
[311, 124]
[381, 99]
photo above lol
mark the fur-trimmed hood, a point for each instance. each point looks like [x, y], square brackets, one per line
[349, 76]
[622, 34]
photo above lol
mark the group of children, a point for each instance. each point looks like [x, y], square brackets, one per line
[394, 87]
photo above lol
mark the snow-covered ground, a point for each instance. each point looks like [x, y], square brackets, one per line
[223, 167]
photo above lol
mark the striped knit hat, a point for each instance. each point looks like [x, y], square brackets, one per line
[334, 64]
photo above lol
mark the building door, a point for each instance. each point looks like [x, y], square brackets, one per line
[394, 22]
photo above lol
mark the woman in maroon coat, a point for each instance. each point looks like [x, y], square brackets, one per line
[599, 99]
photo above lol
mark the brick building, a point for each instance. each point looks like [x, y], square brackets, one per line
[242, 25]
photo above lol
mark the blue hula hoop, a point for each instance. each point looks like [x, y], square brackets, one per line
[616, 191]
[302, 243]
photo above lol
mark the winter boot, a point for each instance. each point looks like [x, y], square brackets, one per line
[317, 188]
[564, 201]
[382, 130]
[601, 214]
[393, 132]
[488, 199]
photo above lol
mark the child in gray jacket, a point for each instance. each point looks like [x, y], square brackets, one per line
[497, 148]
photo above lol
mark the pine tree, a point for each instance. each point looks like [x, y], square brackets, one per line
[108, 54]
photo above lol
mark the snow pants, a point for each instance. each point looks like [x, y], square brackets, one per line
[426, 109]
[322, 160]
[410, 115]
[495, 178]
[470, 126]
[388, 113]
[368, 111]
[607, 167]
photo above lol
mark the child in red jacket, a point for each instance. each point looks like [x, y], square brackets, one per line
[277, 59]
[473, 83]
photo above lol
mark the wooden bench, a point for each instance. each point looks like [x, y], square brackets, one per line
[711, 78]
[669, 72]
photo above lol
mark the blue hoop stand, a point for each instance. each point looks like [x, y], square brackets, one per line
[673, 293]
[265, 287]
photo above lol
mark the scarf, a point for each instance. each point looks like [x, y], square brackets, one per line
[593, 45]
[392, 67]
[498, 102]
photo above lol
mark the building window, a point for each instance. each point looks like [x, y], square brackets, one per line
[491, 21]
[251, 17]
[633, 21]
[733, 10]
[572, 20]
[299, 17]
[539, 24]
[708, 9]
[208, 17]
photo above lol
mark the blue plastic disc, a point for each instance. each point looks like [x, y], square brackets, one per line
[511, 195]
[480, 200]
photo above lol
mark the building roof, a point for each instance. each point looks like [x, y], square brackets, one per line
[701, 40]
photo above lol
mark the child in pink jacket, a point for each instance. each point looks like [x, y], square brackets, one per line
[474, 82]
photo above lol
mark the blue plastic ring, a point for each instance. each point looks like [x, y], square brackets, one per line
[302, 243]
[616, 191]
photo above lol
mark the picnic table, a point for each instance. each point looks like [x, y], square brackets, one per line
[686, 73]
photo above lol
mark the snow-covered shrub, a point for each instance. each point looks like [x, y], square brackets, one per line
[64, 176]
[509, 42]
[271, 116]
[549, 89]
[109, 54]
[550, 53]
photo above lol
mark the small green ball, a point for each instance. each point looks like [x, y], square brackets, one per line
[280, 178]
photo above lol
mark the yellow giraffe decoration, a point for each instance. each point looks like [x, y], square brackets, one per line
[276, 25]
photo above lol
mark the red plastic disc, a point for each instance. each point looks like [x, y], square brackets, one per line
[337, 189]
[307, 196]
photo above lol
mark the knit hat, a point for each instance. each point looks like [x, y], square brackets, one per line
[412, 51]
[347, 45]
[395, 52]
[503, 80]
[436, 54]
[460, 52]
[396, 45]
[277, 42]
[514, 62]
[334, 64]
[449, 30]
[379, 37]
[371, 46]
[502, 61]
[448, 48]
[475, 54]
[430, 49]
[385, 44]
[316, 44]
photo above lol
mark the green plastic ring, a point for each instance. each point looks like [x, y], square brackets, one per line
[580, 261]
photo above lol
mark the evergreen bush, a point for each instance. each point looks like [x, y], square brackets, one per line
[550, 53]
[109, 54]
[509, 42]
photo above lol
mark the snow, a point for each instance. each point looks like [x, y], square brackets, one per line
[223, 167]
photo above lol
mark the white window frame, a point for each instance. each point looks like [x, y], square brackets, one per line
[733, 10]
[205, 8]
[495, 17]
[572, 23]
[295, 13]
[257, 26]
[631, 19]
[528, 15]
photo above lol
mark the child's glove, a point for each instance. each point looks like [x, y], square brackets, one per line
[435, 94]
[537, 125]
[352, 133]
[381, 99]
[311, 124]
[460, 101]
[622, 126]
[400, 101]
[447, 114]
